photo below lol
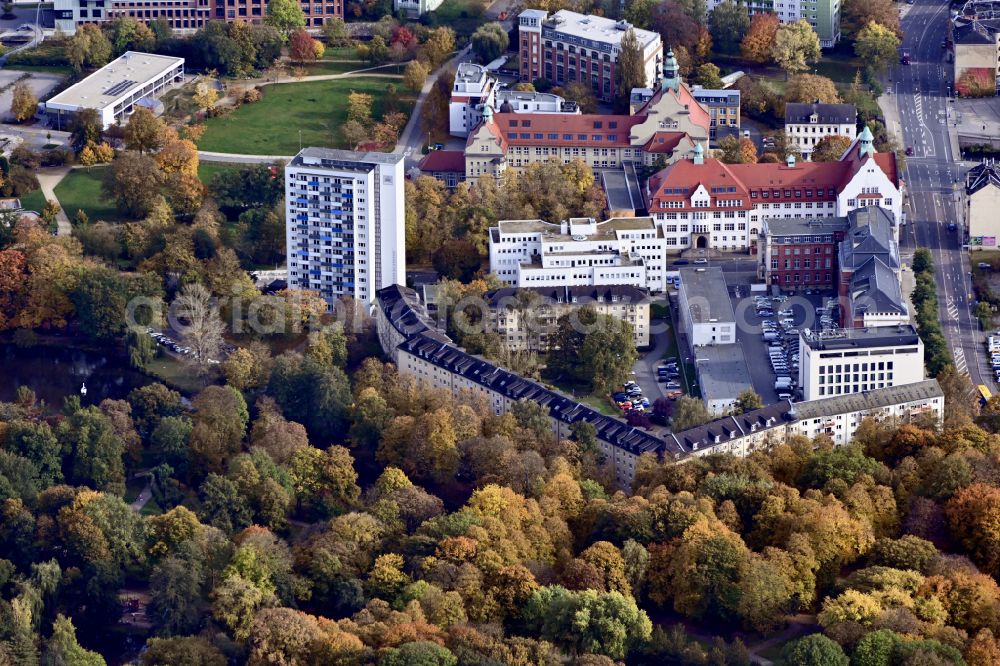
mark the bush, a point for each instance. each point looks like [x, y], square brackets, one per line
[976, 82]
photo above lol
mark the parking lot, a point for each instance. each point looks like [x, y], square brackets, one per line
[799, 313]
[40, 84]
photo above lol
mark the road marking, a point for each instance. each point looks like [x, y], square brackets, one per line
[960, 363]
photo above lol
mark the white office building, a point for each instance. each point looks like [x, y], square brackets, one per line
[706, 311]
[344, 222]
[133, 79]
[579, 252]
[476, 88]
[859, 360]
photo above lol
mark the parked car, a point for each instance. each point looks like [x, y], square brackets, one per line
[701, 260]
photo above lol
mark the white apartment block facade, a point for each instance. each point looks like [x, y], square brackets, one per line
[344, 224]
[579, 252]
[859, 360]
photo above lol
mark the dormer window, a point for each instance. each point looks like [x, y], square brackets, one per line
[814, 118]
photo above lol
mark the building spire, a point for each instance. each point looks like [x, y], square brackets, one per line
[671, 72]
[866, 142]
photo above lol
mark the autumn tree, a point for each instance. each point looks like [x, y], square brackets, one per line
[220, 422]
[758, 44]
[814, 650]
[303, 48]
[591, 348]
[974, 518]
[830, 148]
[877, 46]
[285, 15]
[198, 320]
[88, 47]
[689, 412]
[708, 75]
[133, 183]
[145, 132]
[415, 75]
[729, 24]
[24, 103]
[489, 42]
[856, 14]
[630, 70]
[795, 46]
[811, 88]
[205, 94]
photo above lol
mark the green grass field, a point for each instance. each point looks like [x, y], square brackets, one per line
[317, 109]
[34, 201]
[207, 170]
[81, 189]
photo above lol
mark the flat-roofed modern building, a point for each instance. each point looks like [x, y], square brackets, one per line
[115, 89]
[857, 360]
[706, 311]
[567, 47]
[722, 376]
[344, 223]
[579, 252]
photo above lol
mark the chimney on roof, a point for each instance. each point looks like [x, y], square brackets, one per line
[699, 154]
[790, 161]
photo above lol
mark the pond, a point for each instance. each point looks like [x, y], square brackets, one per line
[56, 372]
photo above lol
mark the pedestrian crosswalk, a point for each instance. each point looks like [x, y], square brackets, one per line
[952, 310]
[960, 363]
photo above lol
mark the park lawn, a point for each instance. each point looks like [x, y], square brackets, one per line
[178, 375]
[81, 189]
[325, 66]
[208, 170]
[313, 109]
[34, 201]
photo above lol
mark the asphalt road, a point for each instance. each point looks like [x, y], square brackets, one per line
[921, 92]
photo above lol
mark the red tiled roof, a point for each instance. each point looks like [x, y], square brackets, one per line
[806, 181]
[565, 129]
[443, 161]
[664, 142]
[699, 115]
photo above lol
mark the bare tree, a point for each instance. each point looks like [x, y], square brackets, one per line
[196, 318]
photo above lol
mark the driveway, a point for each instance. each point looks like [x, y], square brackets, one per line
[645, 367]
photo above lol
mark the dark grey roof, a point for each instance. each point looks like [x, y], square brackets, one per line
[345, 157]
[404, 311]
[807, 227]
[868, 400]
[512, 386]
[722, 430]
[583, 294]
[799, 113]
[975, 31]
[874, 336]
[981, 175]
[870, 236]
[707, 285]
[875, 288]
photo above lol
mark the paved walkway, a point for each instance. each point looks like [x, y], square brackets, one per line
[48, 179]
[142, 499]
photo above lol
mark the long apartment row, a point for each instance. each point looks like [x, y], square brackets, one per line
[410, 337]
